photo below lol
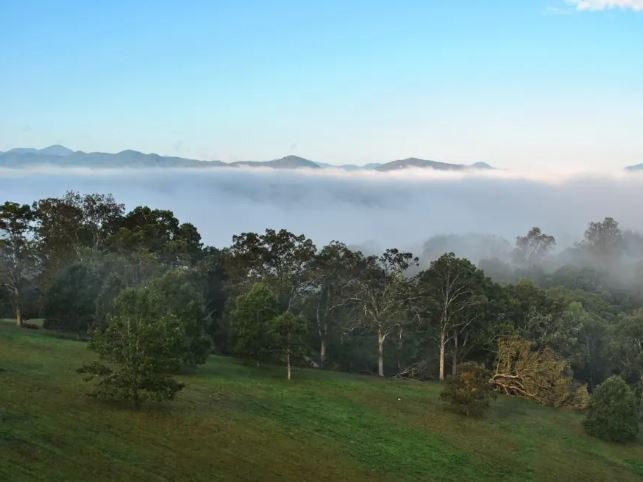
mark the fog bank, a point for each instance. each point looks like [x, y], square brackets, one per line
[373, 209]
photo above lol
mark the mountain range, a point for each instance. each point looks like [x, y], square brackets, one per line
[61, 156]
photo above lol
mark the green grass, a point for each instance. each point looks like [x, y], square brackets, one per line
[235, 422]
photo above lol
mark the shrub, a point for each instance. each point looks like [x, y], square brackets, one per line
[468, 392]
[612, 413]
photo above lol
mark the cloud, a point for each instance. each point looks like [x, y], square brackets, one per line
[597, 5]
[384, 210]
[557, 10]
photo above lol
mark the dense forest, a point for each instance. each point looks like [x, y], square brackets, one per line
[550, 325]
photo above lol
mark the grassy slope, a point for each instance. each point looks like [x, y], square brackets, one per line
[248, 423]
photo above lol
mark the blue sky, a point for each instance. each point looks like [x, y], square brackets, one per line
[514, 83]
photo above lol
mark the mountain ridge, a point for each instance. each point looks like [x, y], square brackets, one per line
[60, 156]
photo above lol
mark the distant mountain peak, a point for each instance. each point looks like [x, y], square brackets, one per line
[56, 150]
[415, 162]
[294, 162]
[131, 152]
[286, 162]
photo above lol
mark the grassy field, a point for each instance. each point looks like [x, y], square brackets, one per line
[235, 422]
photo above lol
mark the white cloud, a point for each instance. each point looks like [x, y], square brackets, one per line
[399, 209]
[589, 5]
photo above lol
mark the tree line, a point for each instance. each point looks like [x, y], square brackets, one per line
[143, 278]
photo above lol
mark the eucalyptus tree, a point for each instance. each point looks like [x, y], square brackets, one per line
[604, 242]
[627, 348]
[382, 293]
[278, 258]
[533, 247]
[329, 278]
[18, 255]
[158, 233]
[450, 290]
[67, 225]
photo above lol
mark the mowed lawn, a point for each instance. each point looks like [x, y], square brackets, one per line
[239, 422]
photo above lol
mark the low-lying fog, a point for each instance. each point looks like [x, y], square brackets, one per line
[370, 209]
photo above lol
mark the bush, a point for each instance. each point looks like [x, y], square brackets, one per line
[468, 392]
[612, 413]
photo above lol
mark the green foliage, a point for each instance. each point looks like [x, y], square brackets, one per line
[613, 412]
[627, 346]
[469, 391]
[452, 299]
[159, 233]
[71, 299]
[250, 317]
[18, 255]
[287, 337]
[137, 351]
[277, 258]
[174, 298]
[327, 426]
[381, 295]
[152, 331]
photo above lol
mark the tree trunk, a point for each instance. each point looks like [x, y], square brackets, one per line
[18, 316]
[322, 353]
[454, 359]
[288, 362]
[380, 353]
[442, 347]
[322, 330]
[399, 350]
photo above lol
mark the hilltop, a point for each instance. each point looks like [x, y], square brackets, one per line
[242, 422]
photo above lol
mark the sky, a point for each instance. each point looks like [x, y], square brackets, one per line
[520, 84]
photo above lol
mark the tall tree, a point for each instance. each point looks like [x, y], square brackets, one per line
[532, 248]
[101, 216]
[382, 293]
[58, 231]
[18, 257]
[450, 288]
[604, 240]
[277, 258]
[158, 233]
[209, 274]
[70, 303]
[627, 348]
[174, 297]
[329, 278]
[67, 225]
